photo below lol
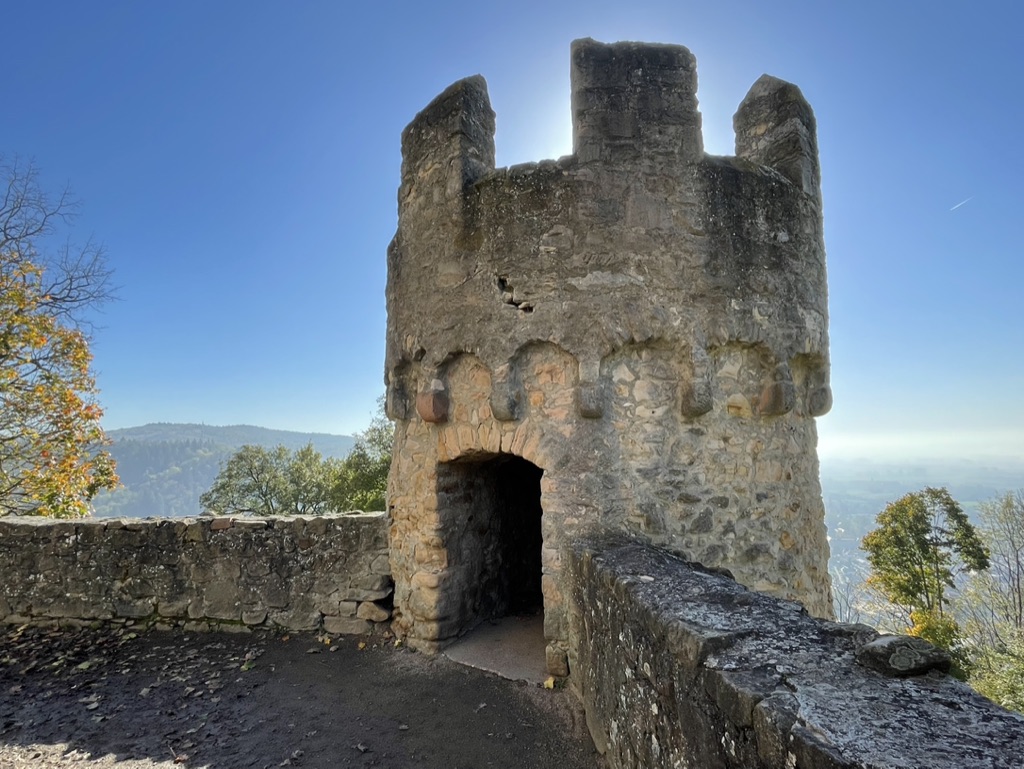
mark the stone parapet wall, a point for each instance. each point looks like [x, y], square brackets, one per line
[299, 573]
[679, 667]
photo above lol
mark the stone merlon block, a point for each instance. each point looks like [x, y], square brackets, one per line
[775, 127]
[634, 99]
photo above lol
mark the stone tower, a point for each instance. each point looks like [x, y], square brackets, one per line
[631, 339]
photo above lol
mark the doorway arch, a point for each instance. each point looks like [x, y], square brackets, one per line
[490, 514]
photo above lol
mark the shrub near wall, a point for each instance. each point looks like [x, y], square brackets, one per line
[298, 573]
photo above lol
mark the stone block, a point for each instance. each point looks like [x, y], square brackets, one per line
[776, 399]
[130, 608]
[373, 612]
[346, 625]
[221, 601]
[590, 400]
[298, 618]
[556, 660]
[254, 616]
[902, 655]
[819, 402]
[505, 399]
[361, 594]
[432, 406]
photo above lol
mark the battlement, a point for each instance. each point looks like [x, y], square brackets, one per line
[645, 324]
[631, 100]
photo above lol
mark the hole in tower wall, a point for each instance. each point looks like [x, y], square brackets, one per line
[491, 511]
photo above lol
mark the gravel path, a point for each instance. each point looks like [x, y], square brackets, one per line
[115, 698]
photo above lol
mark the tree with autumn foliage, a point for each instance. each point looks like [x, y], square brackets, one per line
[51, 457]
[923, 542]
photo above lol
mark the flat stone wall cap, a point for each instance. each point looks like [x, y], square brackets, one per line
[903, 655]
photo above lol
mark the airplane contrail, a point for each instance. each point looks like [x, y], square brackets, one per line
[954, 208]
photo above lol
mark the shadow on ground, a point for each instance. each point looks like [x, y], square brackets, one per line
[104, 698]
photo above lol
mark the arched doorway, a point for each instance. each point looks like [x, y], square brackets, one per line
[490, 510]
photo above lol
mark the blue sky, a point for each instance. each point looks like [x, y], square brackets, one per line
[240, 161]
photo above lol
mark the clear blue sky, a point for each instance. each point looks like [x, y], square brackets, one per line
[240, 162]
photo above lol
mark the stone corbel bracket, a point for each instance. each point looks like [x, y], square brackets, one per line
[779, 397]
[590, 393]
[819, 399]
[397, 404]
[432, 404]
[506, 394]
[696, 396]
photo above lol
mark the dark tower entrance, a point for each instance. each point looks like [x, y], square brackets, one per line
[491, 518]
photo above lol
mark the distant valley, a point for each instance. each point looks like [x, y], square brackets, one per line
[856, 490]
[165, 467]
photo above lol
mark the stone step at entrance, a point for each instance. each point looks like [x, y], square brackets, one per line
[511, 647]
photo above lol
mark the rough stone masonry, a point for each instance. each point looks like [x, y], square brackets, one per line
[632, 338]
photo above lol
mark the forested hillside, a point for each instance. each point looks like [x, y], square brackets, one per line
[165, 467]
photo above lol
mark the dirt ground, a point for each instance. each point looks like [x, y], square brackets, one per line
[93, 699]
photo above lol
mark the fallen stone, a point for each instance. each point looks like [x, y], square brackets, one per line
[372, 612]
[902, 655]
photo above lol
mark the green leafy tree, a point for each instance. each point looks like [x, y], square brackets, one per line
[258, 481]
[310, 479]
[923, 541]
[362, 481]
[253, 481]
[51, 456]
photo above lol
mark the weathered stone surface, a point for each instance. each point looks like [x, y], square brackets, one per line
[370, 611]
[901, 655]
[645, 324]
[269, 571]
[432, 406]
[346, 625]
[677, 666]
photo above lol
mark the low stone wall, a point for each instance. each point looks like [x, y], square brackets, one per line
[323, 573]
[678, 667]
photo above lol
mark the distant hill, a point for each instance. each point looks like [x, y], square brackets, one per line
[857, 490]
[164, 467]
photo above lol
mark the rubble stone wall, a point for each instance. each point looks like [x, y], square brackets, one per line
[677, 666]
[323, 573]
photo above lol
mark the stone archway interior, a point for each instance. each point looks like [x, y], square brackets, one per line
[491, 519]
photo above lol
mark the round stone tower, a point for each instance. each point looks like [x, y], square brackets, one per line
[632, 339]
